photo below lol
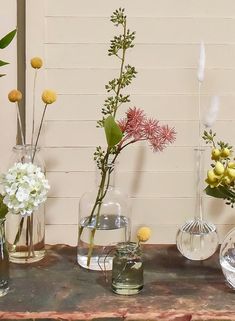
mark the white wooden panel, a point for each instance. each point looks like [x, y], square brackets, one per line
[149, 8]
[144, 56]
[156, 30]
[81, 159]
[74, 39]
[87, 81]
[136, 184]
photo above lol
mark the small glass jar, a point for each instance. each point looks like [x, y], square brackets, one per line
[4, 261]
[127, 273]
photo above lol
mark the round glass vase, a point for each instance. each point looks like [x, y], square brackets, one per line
[127, 273]
[4, 261]
[25, 236]
[103, 221]
[197, 239]
[227, 258]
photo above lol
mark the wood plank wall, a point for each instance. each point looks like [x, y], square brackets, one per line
[73, 36]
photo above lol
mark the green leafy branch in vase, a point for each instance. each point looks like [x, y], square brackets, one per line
[221, 176]
[119, 134]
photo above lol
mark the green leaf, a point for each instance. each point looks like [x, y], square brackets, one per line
[112, 131]
[6, 40]
[3, 63]
[219, 192]
[3, 208]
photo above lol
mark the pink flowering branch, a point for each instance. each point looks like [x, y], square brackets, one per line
[137, 127]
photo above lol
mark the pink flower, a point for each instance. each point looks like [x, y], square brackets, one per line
[168, 134]
[135, 115]
[122, 123]
[150, 128]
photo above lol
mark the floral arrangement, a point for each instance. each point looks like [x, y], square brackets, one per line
[221, 176]
[4, 42]
[135, 127]
[24, 188]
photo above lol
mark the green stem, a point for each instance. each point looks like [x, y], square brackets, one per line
[18, 235]
[39, 131]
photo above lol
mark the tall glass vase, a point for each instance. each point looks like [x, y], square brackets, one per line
[197, 239]
[25, 236]
[4, 261]
[109, 224]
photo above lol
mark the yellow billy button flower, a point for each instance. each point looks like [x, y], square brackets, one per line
[225, 152]
[14, 96]
[49, 96]
[143, 234]
[215, 154]
[36, 62]
[219, 168]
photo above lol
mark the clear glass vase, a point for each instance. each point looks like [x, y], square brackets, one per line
[197, 239]
[104, 225]
[227, 258]
[4, 261]
[127, 273]
[25, 236]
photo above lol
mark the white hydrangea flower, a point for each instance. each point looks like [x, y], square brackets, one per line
[24, 188]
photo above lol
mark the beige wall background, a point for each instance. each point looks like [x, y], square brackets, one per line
[7, 83]
[73, 37]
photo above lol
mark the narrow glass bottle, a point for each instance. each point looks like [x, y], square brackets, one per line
[25, 236]
[197, 239]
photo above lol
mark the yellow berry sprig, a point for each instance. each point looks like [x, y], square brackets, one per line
[221, 176]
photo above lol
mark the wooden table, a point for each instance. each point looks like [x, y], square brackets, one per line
[175, 289]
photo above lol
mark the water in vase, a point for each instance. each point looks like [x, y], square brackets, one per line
[111, 230]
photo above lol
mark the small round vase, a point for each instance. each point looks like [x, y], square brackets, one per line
[227, 258]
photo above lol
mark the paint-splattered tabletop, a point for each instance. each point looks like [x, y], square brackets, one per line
[175, 289]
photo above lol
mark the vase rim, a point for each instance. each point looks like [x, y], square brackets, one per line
[25, 147]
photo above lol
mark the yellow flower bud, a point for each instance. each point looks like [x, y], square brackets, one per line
[49, 96]
[219, 168]
[227, 180]
[36, 62]
[14, 96]
[143, 234]
[225, 152]
[211, 177]
[231, 165]
[215, 153]
[231, 173]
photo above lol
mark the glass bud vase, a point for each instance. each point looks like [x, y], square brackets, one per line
[227, 258]
[127, 273]
[25, 236]
[197, 239]
[104, 225]
[4, 261]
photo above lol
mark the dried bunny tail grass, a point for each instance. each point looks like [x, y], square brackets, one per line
[201, 63]
[212, 113]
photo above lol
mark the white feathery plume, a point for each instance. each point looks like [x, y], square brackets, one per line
[212, 113]
[201, 63]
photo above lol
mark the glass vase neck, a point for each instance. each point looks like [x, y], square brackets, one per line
[199, 174]
[106, 176]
